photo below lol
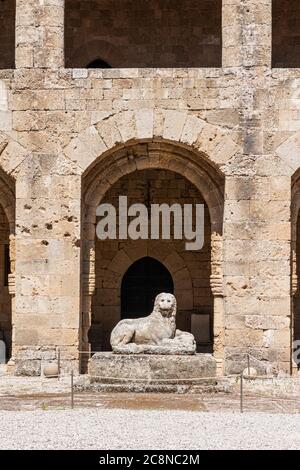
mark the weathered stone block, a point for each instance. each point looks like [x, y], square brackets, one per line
[106, 367]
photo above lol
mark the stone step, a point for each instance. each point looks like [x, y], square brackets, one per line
[213, 385]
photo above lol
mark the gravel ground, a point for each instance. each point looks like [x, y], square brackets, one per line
[151, 429]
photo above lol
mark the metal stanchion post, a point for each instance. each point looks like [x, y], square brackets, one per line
[241, 395]
[58, 361]
[72, 390]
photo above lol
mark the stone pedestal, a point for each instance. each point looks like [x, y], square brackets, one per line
[145, 369]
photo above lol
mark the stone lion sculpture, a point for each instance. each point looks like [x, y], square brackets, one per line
[155, 334]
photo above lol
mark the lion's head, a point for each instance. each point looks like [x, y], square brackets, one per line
[165, 304]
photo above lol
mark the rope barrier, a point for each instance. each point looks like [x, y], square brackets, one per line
[163, 380]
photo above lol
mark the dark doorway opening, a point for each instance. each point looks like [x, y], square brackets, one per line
[143, 281]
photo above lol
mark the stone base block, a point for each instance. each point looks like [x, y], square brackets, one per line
[154, 370]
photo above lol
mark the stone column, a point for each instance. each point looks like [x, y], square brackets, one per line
[39, 33]
[88, 289]
[48, 214]
[216, 283]
[257, 235]
[257, 203]
[247, 28]
[12, 293]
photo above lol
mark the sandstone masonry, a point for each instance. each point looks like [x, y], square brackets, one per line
[70, 137]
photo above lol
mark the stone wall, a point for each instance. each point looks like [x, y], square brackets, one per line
[61, 128]
[160, 33]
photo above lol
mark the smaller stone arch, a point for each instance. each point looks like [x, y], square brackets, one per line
[95, 49]
[98, 63]
[117, 268]
[141, 283]
[172, 261]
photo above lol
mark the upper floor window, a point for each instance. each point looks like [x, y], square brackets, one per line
[7, 33]
[286, 33]
[143, 33]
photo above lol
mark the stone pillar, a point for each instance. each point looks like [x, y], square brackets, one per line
[257, 234]
[12, 293]
[88, 289]
[247, 28]
[257, 204]
[216, 283]
[48, 214]
[295, 292]
[40, 33]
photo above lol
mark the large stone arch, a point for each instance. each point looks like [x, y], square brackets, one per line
[118, 130]
[159, 154]
[289, 153]
[295, 261]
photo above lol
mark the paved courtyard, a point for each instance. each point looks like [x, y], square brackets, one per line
[36, 414]
[147, 429]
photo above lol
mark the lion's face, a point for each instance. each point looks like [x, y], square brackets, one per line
[165, 304]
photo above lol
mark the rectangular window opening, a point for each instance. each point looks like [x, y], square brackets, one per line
[7, 33]
[286, 33]
[143, 33]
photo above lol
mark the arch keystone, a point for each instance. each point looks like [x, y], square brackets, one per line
[126, 125]
[144, 123]
[174, 124]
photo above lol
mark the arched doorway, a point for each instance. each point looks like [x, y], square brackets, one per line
[137, 270]
[142, 282]
[295, 274]
[153, 173]
[7, 263]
